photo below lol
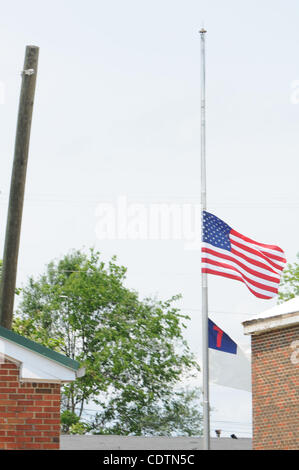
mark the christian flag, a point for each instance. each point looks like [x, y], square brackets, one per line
[225, 252]
[228, 364]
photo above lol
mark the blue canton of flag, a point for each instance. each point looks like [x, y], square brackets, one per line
[216, 232]
[219, 340]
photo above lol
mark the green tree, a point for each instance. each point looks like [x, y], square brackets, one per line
[176, 413]
[289, 284]
[133, 350]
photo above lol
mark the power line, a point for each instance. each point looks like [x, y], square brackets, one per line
[239, 423]
[218, 311]
[52, 198]
[242, 423]
[234, 425]
[180, 308]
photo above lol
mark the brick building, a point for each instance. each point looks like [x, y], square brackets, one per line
[30, 380]
[275, 376]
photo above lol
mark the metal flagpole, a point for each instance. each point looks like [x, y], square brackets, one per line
[204, 281]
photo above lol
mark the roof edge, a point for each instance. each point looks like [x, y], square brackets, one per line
[38, 348]
[261, 325]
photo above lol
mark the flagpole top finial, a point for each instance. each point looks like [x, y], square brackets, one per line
[202, 31]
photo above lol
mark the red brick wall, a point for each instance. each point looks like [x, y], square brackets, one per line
[29, 412]
[275, 390]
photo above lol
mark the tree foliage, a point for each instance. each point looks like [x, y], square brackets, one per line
[177, 413]
[289, 284]
[133, 350]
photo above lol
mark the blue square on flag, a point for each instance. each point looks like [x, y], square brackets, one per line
[219, 340]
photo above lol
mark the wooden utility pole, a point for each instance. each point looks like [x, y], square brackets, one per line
[17, 187]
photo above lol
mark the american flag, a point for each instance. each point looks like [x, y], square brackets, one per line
[227, 253]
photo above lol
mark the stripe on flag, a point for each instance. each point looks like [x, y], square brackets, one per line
[228, 253]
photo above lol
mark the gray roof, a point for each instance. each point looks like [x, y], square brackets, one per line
[85, 442]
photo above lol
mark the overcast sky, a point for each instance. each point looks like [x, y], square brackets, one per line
[117, 115]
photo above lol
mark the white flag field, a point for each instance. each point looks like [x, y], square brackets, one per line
[229, 366]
